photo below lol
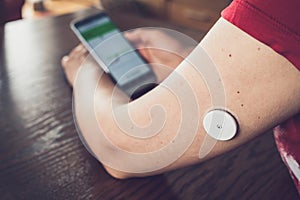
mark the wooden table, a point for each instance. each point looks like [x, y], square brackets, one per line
[41, 156]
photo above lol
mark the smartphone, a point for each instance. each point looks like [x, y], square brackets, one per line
[114, 53]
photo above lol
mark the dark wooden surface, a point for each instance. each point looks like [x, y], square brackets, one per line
[41, 156]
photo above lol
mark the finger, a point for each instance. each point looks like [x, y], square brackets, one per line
[76, 50]
[76, 57]
[151, 38]
[145, 54]
[138, 36]
[64, 61]
[79, 53]
[133, 36]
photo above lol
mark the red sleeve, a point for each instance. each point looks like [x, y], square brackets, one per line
[275, 23]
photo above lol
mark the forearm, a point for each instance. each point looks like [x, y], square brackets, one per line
[256, 90]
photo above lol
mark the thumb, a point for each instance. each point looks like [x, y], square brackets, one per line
[138, 37]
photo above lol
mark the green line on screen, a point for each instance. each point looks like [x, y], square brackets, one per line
[98, 31]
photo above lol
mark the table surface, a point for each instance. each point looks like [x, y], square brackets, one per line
[41, 156]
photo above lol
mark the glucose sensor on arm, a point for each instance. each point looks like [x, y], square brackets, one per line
[220, 125]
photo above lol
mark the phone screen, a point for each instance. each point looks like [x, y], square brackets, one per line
[118, 55]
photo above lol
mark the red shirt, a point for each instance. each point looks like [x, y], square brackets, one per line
[275, 23]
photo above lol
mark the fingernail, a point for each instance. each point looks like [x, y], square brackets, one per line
[65, 58]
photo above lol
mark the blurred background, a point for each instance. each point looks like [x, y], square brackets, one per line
[198, 14]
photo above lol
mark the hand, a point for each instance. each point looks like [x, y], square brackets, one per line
[157, 47]
[72, 62]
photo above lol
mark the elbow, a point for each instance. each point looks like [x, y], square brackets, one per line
[123, 168]
[117, 174]
[121, 175]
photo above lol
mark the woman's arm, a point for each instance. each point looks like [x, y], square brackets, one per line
[259, 87]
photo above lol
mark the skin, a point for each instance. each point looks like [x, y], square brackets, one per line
[260, 88]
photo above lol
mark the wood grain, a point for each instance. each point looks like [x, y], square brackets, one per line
[41, 156]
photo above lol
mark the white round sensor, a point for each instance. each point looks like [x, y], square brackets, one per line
[220, 125]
